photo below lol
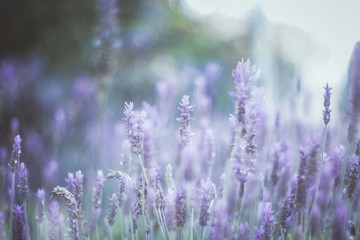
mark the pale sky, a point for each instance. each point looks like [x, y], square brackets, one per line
[334, 24]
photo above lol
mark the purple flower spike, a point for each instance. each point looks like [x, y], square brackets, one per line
[98, 189]
[19, 231]
[40, 200]
[15, 154]
[180, 210]
[207, 194]
[268, 219]
[259, 233]
[219, 228]
[75, 186]
[327, 110]
[245, 231]
[185, 133]
[112, 209]
[244, 75]
[134, 127]
[353, 175]
[23, 185]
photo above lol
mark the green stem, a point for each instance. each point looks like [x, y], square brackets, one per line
[26, 221]
[110, 232]
[12, 205]
[192, 225]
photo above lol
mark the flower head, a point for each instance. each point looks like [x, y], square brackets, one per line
[112, 209]
[15, 154]
[207, 194]
[23, 185]
[98, 189]
[134, 128]
[327, 110]
[19, 231]
[185, 119]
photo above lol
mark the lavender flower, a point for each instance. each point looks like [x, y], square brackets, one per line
[98, 189]
[352, 176]
[75, 186]
[301, 192]
[185, 119]
[244, 75]
[259, 233]
[268, 219]
[180, 212]
[156, 184]
[245, 231]
[287, 209]
[219, 228]
[19, 231]
[121, 192]
[338, 223]
[336, 160]
[327, 110]
[134, 128]
[77, 221]
[23, 186]
[207, 194]
[243, 168]
[56, 222]
[244, 121]
[312, 165]
[357, 150]
[307, 174]
[112, 210]
[40, 203]
[136, 211]
[354, 79]
[15, 154]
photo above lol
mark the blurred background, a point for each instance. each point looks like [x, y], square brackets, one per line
[67, 67]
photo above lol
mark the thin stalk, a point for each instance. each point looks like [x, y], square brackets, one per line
[315, 199]
[241, 194]
[202, 233]
[131, 229]
[192, 225]
[160, 222]
[12, 205]
[143, 168]
[110, 232]
[97, 231]
[26, 221]
[162, 215]
[121, 223]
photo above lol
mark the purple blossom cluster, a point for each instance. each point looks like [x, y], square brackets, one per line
[196, 176]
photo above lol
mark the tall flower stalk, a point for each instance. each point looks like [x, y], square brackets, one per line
[243, 151]
[326, 115]
[185, 133]
[24, 190]
[14, 166]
